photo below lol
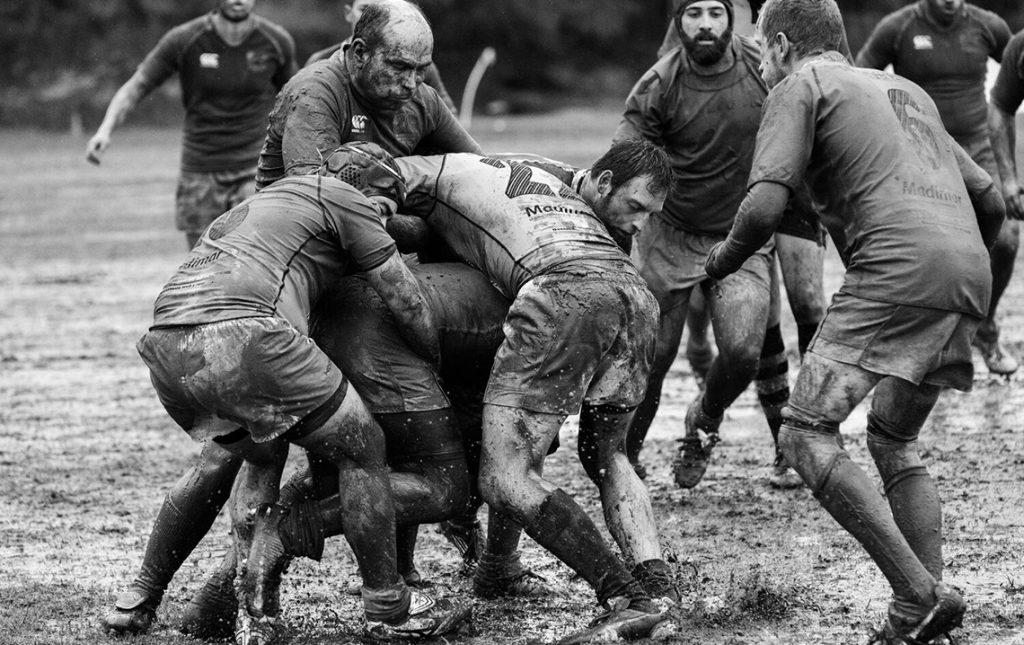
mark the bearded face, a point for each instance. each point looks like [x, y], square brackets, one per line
[706, 48]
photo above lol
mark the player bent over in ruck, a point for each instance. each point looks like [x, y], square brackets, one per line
[231, 359]
[897, 195]
[580, 332]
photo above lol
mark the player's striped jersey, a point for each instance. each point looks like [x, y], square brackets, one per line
[275, 254]
[511, 220]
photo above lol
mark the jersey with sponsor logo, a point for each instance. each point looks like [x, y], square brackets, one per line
[884, 174]
[275, 253]
[707, 125]
[512, 221]
[948, 62]
[227, 90]
[320, 109]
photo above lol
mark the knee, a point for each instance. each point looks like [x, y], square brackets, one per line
[1008, 240]
[741, 358]
[495, 490]
[812, 449]
[893, 449]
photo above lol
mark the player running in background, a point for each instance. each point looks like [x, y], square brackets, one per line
[1005, 100]
[431, 75]
[372, 91]
[231, 64]
[703, 103]
[944, 46]
[911, 215]
[580, 331]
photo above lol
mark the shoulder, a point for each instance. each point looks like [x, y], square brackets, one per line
[659, 76]
[989, 21]
[275, 32]
[187, 31]
[895, 23]
[747, 48]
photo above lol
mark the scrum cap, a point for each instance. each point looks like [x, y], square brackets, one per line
[368, 168]
[686, 3]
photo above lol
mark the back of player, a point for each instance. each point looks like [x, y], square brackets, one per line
[511, 220]
[903, 220]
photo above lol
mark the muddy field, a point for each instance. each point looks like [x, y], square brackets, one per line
[86, 452]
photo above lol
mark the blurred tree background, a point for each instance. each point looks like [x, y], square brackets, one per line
[64, 58]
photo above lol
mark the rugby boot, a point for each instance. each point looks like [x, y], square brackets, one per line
[783, 477]
[505, 575]
[427, 618]
[211, 613]
[467, 537]
[946, 614]
[657, 579]
[626, 619]
[256, 630]
[694, 454]
[134, 613]
[412, 579]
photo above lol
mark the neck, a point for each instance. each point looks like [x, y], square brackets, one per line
[232, 32]
[940, 18]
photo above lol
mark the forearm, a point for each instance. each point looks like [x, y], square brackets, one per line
[123, 102]
[755, 223]
[990, 210]
[1003, 135]
[401, 293]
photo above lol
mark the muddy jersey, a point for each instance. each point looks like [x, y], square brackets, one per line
[707, 124]
[512, 221]
[320, 109]
[1008, 91]
[227, 90]
[275, 254]
[882, 169]
[948, 62]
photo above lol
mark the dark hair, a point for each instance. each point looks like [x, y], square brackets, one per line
[812, 26]
[631, 158]
[374, 21]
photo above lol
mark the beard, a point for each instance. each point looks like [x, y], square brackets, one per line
[703, 54]
[233, 17]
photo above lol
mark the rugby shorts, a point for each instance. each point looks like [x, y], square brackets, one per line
[574, 338]
[917, 344]
[671, 260]
[260, 374]
[202, 197]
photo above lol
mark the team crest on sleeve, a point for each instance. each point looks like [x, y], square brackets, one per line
[258, 62]
[358, 124]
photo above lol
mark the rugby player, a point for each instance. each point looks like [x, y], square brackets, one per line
[230, 357]
[580, 331]
[353, 11]
[944, 46]
[702, 102]
[372, 91]
[231, 64]
[912, 216]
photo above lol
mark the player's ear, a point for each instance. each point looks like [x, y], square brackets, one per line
[784, 45]
[604, 183]
[359, 51]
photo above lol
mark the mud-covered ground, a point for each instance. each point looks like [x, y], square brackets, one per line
[86, 453]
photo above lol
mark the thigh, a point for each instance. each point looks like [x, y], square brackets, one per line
[671, 261]
[740, 305]
[826, 391]
[902, 407]
[802, 262]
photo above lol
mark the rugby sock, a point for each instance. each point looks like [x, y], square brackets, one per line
[849, 496]
[805, 333]
[563, 528]
[185, 517]
[772, 380]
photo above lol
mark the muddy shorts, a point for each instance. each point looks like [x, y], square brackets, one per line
[671, 260]
[917, 344]
[574, 338]
[260, 374]
[204, 196]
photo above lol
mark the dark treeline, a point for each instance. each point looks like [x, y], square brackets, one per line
[64, 59]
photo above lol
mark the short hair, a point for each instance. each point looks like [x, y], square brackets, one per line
[812, 26]
[373, 23]
[631, 158]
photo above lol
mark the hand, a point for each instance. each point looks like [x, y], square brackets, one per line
[97, 145]
[1013, 195]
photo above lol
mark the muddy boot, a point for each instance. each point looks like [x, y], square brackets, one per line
[694, 454]
[134, 613]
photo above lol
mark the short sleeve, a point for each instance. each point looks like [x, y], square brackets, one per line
[1008, 90]
[880, 48]
[359, 227]
[311, 129]
[643, 116]
[1001, 35]
[162, 62]
[785, 138]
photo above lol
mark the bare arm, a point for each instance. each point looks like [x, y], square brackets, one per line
[758, 217]
[124, 101]
[401, 293]
[985, 198]
[1003, 133]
